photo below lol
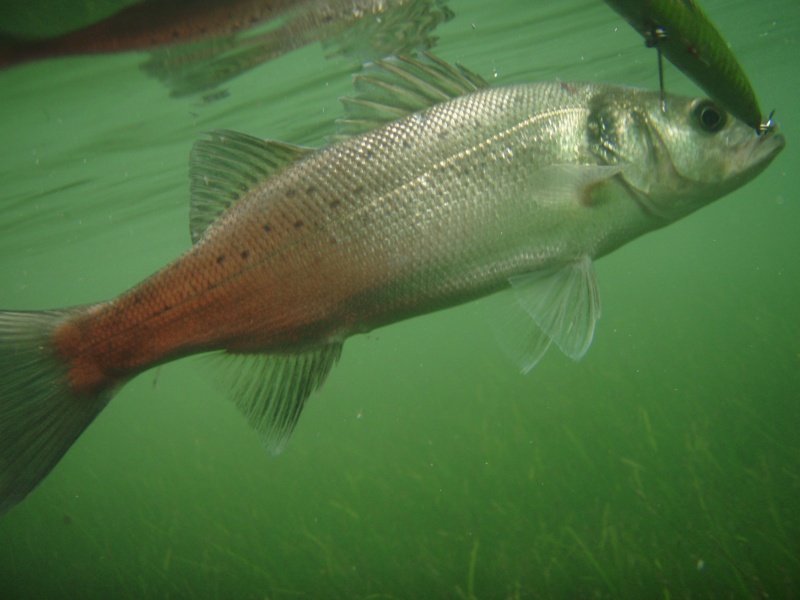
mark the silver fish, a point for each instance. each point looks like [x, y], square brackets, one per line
[439, 190]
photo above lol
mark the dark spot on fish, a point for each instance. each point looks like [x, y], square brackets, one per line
[334, 203]
[311, 190]
[570, 89]
[358, 190]
[459, 169]
[290, 193]
[368, 153]
[406, 143]
[220, 259]
[267, 228]
[298, 224]
[245, 254]
[588, 194]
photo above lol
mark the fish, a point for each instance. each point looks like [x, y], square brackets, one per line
[358, 30]
[197, 45]
[682, 32]
[437, 189]
[145, 25]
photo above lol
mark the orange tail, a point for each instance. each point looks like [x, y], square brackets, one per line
[40, 414]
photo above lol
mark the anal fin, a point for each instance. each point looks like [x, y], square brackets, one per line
[271, 389]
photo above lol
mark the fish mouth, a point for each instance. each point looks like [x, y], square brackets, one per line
[756, 156]
[767, 147]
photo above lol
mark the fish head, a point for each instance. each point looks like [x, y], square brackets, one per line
[678, 154]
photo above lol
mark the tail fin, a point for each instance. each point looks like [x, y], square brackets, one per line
[40, 417]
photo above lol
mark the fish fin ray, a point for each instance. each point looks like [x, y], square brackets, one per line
[224, 168]
[396, 86]
[516, 333]
[40, 416]
[564, 304]
[399, 30]
[271, 390]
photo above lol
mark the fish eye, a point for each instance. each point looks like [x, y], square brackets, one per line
[709, 116]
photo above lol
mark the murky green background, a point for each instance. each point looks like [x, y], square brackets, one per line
[666, 464]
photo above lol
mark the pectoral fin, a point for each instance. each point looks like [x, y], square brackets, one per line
[560, 306]
[271, 390]
[560, 183]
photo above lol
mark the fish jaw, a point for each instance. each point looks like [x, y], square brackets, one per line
[753, 158]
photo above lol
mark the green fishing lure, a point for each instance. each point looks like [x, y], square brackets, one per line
[682, 32]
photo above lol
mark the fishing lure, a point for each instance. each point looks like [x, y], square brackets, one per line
[680, 31]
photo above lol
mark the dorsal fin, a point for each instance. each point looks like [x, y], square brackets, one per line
[389, 89]
[227, 166]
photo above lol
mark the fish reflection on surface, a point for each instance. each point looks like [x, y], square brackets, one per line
[197, 45]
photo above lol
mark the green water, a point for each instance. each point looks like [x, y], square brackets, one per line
[665, 464]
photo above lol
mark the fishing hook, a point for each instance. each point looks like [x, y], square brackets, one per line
[767, 126]
[652, 39]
